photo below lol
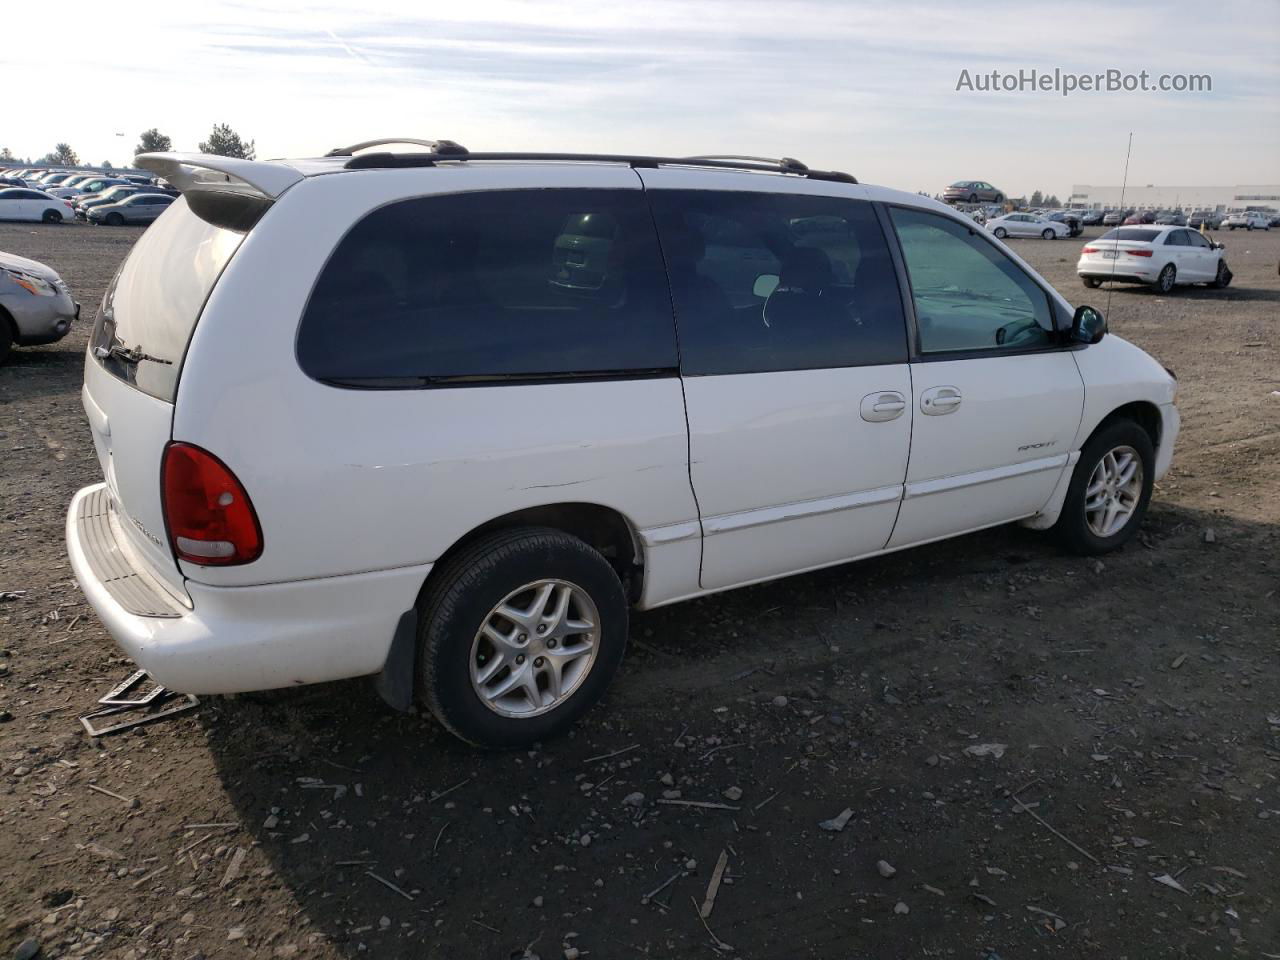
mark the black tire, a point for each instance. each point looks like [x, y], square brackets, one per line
[51, 216]
[999, 198]
[1167, 278]
[1000, 233]
[114, 220]
[1049, 234]
[461, 598]
[6, 336]
[1093, 283]
[1072, 527]
[1223, 278]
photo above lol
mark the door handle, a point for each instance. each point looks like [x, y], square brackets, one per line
[883, 405]
[939, 401]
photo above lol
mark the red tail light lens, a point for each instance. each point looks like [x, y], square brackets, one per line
[210, 518]
[1089, 250]
[1138, 253]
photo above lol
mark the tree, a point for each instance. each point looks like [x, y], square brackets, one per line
[106, 165]
[6, 155]
[153, 141]
[1037, 199]
[1052, 201]
[225, 142]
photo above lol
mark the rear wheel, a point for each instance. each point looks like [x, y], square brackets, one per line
[6, 336]
[114, 219]
[1166, 279]
[1048, 234]
[999, 198]
[51, 216]
[1001, 232]
[1109, 491]
[1093, 283]
[521, 634]
[973, 198]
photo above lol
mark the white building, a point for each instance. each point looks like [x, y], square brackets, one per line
[1152, 197]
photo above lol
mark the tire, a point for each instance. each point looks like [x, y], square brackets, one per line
[1049, 235]
[510, 568]
[1074, 527]
[51, 216]
[1222, 279]
[1000, 233]
[973, 198]
[1167, 278]
[114, 220]
[1093, 283]
[6, 336]
[999, 198]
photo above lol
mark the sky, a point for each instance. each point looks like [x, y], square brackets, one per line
[865, 87]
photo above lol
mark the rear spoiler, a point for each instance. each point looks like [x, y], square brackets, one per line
[197, 171]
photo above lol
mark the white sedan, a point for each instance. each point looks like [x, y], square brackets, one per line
[22, 203]
[1027, 225]
[1158, 255]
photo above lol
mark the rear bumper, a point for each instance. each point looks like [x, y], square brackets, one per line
[236, 639]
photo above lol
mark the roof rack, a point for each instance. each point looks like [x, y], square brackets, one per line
[453, 152]
[442, 147]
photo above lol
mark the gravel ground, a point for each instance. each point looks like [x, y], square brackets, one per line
[1130, 807]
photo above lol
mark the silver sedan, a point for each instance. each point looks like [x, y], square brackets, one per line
[35, 304]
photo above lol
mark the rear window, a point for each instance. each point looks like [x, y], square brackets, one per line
[156, 298]
[1131, 233]
[475, 287]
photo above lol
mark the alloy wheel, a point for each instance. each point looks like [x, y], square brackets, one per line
[535, 648]
[1114, 489]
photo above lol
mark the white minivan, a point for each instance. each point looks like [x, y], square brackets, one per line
[442, 417]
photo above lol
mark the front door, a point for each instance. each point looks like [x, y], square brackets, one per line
[997, 398]
[793, 355]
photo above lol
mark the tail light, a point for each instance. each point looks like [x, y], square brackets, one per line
[210, 519]
[1138, 253]
[1089, 250]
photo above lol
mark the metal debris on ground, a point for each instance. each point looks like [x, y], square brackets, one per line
[155, 704]
[837, 823]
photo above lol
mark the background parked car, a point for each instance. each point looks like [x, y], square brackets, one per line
[112, 194]
[1093, 218]
[139, 208]
[1027, 225]
[35, 304]
[1113, 218]
[972, 191]
[1161, 256]
[1248, 219]
[23, 203]
[1208, 218]
[1140, 217]
[1171, 218]
[1070, 218]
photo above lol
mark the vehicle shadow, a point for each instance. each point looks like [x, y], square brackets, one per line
[1231, 293]
[363, 813]
[51, 370]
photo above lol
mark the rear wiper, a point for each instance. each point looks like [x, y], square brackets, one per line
[130, 355]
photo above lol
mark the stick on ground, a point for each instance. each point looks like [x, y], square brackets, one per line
[1061, 836]
[714, 886]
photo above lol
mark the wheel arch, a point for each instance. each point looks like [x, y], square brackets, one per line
[1143, 412]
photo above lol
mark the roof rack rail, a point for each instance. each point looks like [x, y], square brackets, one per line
[439, 146]
[368, 161]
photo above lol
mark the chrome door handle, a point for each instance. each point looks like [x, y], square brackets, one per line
[883, 405]
[939, 401]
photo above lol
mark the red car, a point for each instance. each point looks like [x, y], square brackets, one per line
[1140, 217]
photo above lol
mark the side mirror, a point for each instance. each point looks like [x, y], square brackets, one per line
[1088, 325]
[765, 284]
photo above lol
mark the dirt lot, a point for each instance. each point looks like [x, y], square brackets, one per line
[1138, 700]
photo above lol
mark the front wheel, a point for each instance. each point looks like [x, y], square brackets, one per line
[1000, 233]
[520, 634]
[999, 198]
[1049, 235]
[973, 198]
[114, 220]
[1222, 278]
[1166, 279]
[52, 216]
[1109, 491]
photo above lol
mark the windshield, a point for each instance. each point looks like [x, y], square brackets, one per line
[156, 298]
[1130, 233]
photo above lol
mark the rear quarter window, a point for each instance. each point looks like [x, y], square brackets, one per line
[157, 296]
[475, 287]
